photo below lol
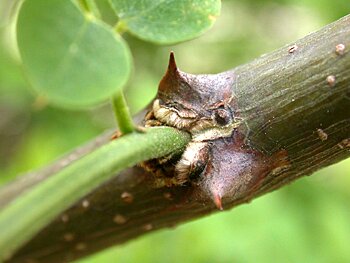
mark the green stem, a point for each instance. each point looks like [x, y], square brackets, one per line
[84, 5]
[25, 216]
[120, 27]
[122, 114]
[90, 8]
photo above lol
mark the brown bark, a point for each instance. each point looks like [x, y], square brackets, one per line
[296, 98]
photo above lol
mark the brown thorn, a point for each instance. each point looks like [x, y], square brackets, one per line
[171, 77]
[218, 201]
[172, 68]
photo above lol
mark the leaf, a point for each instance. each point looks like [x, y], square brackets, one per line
[70, 58]
[167, 21]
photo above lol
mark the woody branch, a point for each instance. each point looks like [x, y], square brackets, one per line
[296, 98]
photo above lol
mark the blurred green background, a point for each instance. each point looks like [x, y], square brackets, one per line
[308, 221]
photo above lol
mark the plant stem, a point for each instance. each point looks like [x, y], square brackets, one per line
[120, 27]
[30, 212]
[84, 5]
[122, 113]
[90, 8]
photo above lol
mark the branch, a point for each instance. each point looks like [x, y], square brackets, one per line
[296, 98]
[32, 210]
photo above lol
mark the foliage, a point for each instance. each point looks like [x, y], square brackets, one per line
[166, 21]
[55, 39]
[75, 59]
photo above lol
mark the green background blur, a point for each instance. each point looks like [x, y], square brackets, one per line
[308, 221]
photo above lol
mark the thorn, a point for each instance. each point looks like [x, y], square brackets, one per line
[171, 78]
[172, 64]
[217, 201]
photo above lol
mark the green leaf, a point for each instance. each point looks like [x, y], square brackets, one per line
[69, 57]
[167, 21]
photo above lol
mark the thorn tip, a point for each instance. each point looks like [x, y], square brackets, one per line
[172, 64]
[218, 201]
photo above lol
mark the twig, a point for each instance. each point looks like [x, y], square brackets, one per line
[288, 100]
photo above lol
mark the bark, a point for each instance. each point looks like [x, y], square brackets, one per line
[296, 98]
